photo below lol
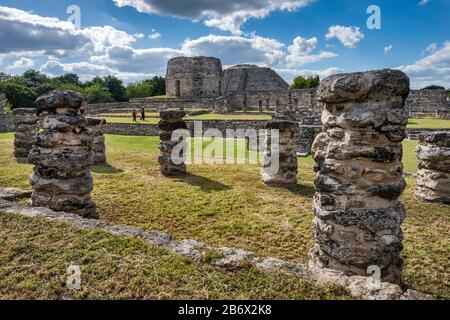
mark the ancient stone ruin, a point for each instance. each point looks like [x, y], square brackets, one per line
[280, 165]
[26, 130]
[194, 77]
[94, 127]
[61, 178]
[433, 177]
[2, 103]
[171, 165]
[359, 174]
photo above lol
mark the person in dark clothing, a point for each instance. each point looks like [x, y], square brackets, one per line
[142, 114]
[134, 114]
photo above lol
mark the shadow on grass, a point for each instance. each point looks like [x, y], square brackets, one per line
[105, 168]
[207, 185]
[302, 190]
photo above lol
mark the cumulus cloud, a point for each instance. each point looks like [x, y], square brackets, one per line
[348, 36]
[432, 69]
[22, 63]
[154, 35]
[26, 32]
[87, 71]
[300, 52]
[224, 15]
[128, 59]
[388, 48]
[237, 49]
[290, 74]
[432, 47]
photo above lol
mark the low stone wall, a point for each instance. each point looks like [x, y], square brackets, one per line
[153, 103]
[6, 123]
[428, 103]
[414, 134]
[129, 129]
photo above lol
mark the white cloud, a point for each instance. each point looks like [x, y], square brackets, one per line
[26, 32]
[128, 59]
[154, 35]
[290, 74]
[237, 49]
[139, 35]
[222, 14]
[300, 52]
[423, 2]
[22, 63]
[388, 48]
[87, 71]
[348, 36]
[432, 47]
[432, 69]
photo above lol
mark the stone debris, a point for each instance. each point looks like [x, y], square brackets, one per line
[26, 130]
[230, 259]
[95, 127]
[433, 177]
[14, 194]
[61, 178]
[172, 164]
[359, 174]
[280, 165]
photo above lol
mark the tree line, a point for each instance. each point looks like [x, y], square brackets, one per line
[23, 90]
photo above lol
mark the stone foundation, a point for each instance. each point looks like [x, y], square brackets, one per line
[286, 153]
[26, 130]
[61, 178]
[359, 174]
[95, 128]
[171, 121]
[433, 177]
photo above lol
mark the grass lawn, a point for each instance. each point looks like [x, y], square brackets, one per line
[228, 205]
[428, 123]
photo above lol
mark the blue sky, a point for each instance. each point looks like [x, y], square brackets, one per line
[134, 38]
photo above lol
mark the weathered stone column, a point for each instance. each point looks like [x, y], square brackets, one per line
[26, 130]
[94, 127]
[433, 177]
[171, 121]
[285, 173]
[359, 173]
[61, 179]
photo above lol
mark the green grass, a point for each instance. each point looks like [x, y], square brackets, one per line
[428, 123]
[35, 255]
[228, 205]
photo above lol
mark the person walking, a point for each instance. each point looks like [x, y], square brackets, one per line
[134, 114]
[142, 114]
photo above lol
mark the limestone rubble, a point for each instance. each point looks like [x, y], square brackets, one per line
[26, 130]
[94, 127]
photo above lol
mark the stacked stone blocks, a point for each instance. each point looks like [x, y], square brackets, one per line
[95, 128]
[26, 130]
[433, 177]
[285, 152]
[61, 178]
[171, 164]
[359, 174]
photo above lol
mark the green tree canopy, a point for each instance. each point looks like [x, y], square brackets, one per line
[97, 93]
[305, 83]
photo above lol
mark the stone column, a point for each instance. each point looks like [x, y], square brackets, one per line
[286, 153]
[2, 103]
[170, 121]
[94, 127]
[433, 177]
[359, 173]
[26, 130]
[61, 178]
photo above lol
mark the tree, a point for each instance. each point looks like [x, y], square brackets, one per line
[96, 93]
[158, 86]
[18, 95]
[434, 87]
[115, 87]
[305, 83]
[68, 78]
